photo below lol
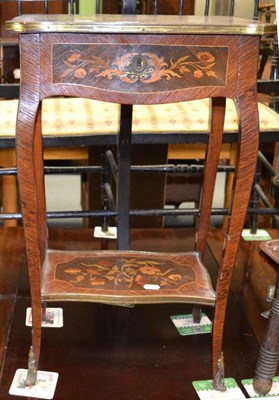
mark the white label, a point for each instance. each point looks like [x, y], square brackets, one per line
[149, 286]
[110, 233]
[53, 318]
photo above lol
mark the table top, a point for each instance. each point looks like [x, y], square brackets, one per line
[143, 24]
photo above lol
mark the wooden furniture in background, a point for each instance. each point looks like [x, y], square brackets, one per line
[269, 351]
[168, 7]
[8, 10]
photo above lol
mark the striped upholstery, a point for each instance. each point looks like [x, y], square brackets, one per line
[79, 116]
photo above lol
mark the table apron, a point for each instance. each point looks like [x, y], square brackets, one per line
[141, 69]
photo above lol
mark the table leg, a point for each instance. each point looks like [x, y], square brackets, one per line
[247, 157]
[31, 183]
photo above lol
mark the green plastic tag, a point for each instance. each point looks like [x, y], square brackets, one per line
[205, 390]
[261, 234]
[185, 325]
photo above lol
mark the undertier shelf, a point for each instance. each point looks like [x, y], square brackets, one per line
[121, 277]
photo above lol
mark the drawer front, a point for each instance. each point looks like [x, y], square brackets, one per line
[140, 68]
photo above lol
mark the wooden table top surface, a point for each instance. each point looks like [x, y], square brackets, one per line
[144, 24]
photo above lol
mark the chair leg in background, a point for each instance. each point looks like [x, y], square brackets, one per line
[269, 351]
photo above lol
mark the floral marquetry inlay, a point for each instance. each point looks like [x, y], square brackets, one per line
[125, 272]
[146, 67]
[136, 66]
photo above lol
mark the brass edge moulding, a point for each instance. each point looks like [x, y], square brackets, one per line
[122, 300]
[25, 25]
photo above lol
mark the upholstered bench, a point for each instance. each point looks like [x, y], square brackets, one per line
[79, 116]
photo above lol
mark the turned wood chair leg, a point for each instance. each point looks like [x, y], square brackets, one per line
[269, 351]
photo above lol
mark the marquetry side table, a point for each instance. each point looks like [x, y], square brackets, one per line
[135, 60]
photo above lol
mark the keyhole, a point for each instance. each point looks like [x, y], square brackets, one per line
[138, 63]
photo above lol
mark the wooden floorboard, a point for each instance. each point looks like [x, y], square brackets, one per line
[108, 352]
[11, 258]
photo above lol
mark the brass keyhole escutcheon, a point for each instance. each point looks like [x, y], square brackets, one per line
[138, 63]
